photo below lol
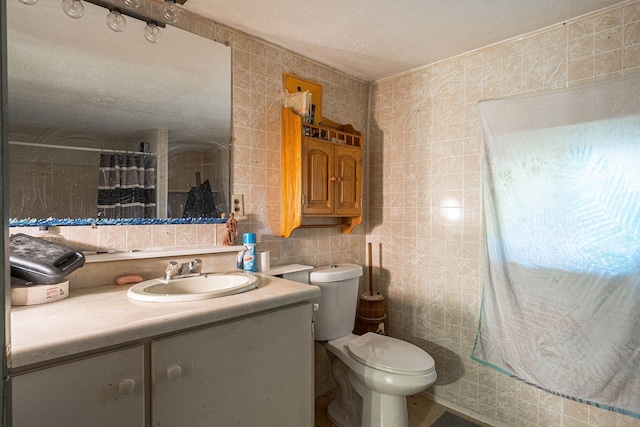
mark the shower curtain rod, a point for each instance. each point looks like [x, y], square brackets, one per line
[69, 147]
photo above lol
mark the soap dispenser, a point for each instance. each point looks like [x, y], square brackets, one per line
[249, 261]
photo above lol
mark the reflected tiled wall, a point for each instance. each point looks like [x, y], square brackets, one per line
[425, 200]
[135, 237]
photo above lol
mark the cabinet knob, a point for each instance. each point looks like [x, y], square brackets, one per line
[126, 386]
[336, 179]
[174, 372]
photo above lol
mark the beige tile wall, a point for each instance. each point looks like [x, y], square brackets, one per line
[425, 200]
[258, 70]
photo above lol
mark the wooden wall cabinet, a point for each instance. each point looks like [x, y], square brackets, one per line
[322, 175]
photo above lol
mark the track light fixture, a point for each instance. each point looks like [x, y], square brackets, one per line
[132, 4]
[116, 20]
[73, 8]
[152, 32]
[170, 11]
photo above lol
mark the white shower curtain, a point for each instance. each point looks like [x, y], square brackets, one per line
[126, 187]
[561, 298]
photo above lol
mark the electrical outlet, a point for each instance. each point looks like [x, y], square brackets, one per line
[237, 201]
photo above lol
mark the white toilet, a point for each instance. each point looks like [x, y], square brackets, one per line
[374, 373]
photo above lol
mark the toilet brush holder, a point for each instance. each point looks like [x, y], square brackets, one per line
[372, 309]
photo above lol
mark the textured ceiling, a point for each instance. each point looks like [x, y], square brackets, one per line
[374, 39]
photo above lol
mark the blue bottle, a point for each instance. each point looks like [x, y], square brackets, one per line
[249, 259]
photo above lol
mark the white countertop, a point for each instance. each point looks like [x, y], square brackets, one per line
[100, 317]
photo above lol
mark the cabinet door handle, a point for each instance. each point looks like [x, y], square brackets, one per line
[126, 386]
[174, 372]
[336, 179]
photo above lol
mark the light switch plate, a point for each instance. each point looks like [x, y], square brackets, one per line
[237, 204]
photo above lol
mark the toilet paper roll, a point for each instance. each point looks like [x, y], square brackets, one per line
[264, 264]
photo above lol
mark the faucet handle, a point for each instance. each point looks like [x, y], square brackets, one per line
[196, 265]
[172, 269]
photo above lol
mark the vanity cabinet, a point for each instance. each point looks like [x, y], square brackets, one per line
[103, 390]
[322, 175]
[256, 371]
[252, 371]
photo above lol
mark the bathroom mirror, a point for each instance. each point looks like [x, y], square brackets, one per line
[85, 101]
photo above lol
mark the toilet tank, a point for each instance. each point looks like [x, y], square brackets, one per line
[338, 299]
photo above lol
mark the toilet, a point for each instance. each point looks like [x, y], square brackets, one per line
[374, 373]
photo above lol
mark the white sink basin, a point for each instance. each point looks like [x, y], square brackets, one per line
[205, 286]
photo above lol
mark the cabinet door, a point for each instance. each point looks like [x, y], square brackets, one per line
[256, 371]
[105, 390]
[317, 177]
[348, 194]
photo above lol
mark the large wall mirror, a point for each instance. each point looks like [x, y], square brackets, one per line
[106, 127]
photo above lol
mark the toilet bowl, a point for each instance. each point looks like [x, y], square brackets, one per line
[374, 373]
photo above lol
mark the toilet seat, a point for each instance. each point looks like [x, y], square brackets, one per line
[390, 355]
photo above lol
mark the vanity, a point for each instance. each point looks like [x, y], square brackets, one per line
[99, 358]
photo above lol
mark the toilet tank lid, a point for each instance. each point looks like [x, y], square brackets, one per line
[335, 273]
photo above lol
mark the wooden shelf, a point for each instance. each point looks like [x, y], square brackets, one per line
[345, 134]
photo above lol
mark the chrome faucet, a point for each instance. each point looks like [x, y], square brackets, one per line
[186, 269]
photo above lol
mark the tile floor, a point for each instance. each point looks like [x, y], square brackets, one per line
[422, 411]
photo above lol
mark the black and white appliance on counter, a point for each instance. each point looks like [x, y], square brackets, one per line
[39, 268]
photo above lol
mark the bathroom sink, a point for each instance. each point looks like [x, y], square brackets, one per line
[205, 286]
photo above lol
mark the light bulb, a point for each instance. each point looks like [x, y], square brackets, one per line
[73, 8]
[116, 21]
[29, 2]
[152, 32]
[132, 4]
[170, 11]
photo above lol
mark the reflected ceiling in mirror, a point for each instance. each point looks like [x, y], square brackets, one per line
[107, 128]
